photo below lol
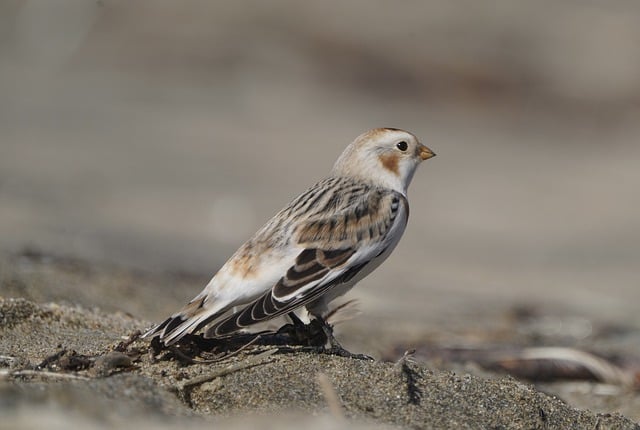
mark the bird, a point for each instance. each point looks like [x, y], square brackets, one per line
[316, 248]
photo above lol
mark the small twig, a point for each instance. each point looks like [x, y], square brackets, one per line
[55, 375]
[249, 362]
[413, 391]
[330, 395]
[569, 359]
[122, 346]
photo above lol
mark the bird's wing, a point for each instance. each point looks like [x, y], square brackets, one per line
[335, 249]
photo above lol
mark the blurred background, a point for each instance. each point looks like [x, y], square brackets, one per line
[160, 135]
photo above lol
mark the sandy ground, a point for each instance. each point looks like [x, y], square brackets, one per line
[160, 391]
[142, 143]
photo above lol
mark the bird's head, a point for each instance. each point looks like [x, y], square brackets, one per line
[385, 156]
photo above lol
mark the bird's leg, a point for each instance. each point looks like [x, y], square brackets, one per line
[300, 333]
[334, 346]
[299, 330]
[297, 322]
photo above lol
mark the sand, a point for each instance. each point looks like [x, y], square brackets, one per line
[92, 385]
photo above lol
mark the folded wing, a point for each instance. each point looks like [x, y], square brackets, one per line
[335, 250]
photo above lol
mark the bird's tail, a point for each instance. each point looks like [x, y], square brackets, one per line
[189, 319]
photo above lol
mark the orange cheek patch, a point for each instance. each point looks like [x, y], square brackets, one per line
[390, 162]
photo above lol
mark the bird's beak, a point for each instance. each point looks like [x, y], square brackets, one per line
[424, 152]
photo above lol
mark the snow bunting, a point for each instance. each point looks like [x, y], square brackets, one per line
[317, 247]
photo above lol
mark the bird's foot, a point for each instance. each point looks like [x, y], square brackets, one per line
[334, 347]
[318, 336]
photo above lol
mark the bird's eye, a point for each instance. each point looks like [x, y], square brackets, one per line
[402, 146]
